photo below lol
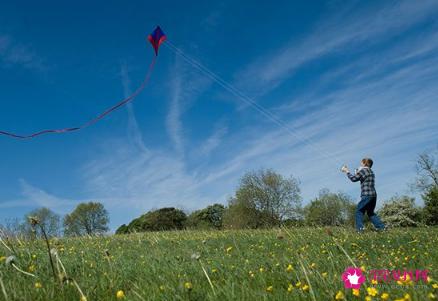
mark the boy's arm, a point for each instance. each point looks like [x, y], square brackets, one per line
[356, 177]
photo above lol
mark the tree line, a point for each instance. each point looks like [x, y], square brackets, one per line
[86, 219]
[263, 199]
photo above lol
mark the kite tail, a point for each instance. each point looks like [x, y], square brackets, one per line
[97, 118]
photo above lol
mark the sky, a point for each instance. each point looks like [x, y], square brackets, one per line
[339, 81]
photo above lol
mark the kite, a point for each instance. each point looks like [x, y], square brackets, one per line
[156, 38]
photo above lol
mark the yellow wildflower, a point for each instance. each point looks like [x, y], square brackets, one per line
[120, 294]
[407, 297]
[324, 274]
[374, 281]
[435, 285]
[356, 292]
[431, 296]
[188, 286]
[305, 287]
[229, 249]
[384, 296]
[339, 295]
[38, 285]
[269, 289]
[290, 288]
[372, 291]
[289, 268]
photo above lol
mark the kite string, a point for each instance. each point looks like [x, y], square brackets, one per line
[242, 96]
[97, 118]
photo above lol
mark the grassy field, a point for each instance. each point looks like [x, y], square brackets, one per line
[286, 264]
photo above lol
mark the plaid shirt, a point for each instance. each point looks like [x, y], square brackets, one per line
[367, 181]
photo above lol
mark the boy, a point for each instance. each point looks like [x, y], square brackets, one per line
[368, 195]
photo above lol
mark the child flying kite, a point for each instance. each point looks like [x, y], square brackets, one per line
[368, 195]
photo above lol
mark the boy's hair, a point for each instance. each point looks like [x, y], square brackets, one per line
[367, 162]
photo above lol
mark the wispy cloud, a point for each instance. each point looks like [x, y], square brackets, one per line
[14, 53]
[34, 197]
[186, 87]
[349, 30]
[214, 140]
[134, 133]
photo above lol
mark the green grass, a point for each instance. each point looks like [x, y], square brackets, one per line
[241, 265]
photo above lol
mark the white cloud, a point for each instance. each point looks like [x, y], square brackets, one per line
[347, 31]
[14, 53]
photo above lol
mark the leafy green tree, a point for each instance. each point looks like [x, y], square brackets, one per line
[156, 220]
[263, 199]
[207, 218]
[430, 210]
[330, 209]
[87, 219]
[49, 220]
[400, 211]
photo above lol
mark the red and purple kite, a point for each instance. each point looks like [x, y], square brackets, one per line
[157, 37]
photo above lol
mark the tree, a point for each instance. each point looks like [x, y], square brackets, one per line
[156, 220]
[330, 209]
[207, 218]
[400, 211]
[49, 220]
[427, 171]
[430, 210]
[264, 199]
[87, 219]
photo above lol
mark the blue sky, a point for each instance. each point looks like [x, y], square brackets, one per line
[351, 79]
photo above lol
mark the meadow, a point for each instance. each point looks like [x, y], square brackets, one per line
[280, 264]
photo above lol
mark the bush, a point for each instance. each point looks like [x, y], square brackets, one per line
[430, 211]
[330, 209]
[400, 212]
[159, 220]
[207, 218]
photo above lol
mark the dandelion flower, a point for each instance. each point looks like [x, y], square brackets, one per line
[120, 294]
[10, 260]
[188, 286]
[339, 295]
[372, 291]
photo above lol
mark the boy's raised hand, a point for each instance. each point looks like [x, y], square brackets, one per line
[345, 169]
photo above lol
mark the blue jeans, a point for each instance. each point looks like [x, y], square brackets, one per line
[367, 205]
